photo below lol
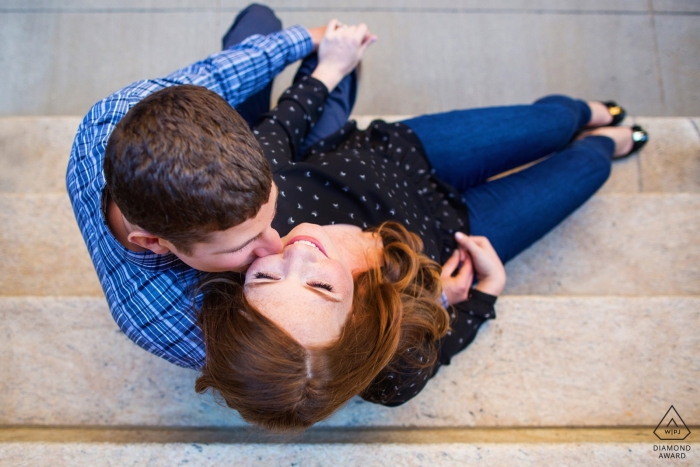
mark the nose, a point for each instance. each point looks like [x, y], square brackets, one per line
[268, 244]
[302, 254]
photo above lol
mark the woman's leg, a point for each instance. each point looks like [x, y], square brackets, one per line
[255, 19]
[466, 147]
[337, 108]
[515, 211]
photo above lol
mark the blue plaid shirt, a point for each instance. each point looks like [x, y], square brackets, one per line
[149, 295]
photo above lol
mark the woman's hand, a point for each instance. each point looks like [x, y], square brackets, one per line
[477, 257]
[340, 51]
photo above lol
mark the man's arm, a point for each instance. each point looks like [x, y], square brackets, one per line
[246, 68]
[160, 302]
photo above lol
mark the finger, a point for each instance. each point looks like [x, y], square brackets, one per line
[461, 238]
[332, 25]
[482, 242]
[467, 259]
[361, 32]
[463, 253]
[367, 42]
[371, 38]
[450, 265]
[473, 244]
[466, 267]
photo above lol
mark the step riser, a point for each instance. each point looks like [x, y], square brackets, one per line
[613, 245]
[543, 362]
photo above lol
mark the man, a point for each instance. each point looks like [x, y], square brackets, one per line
[148, 271]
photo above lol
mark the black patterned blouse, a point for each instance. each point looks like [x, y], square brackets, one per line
[364, 178]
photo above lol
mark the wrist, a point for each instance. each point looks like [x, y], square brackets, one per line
[328, 75]
[492, 286]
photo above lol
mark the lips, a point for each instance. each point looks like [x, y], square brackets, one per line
[308, 241]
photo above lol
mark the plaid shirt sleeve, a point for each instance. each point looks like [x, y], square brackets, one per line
[150, 296]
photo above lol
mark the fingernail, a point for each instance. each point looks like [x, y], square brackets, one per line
[460, 236]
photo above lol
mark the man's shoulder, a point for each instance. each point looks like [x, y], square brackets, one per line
[145, 286]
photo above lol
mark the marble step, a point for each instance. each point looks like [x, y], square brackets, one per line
[544, 362]
[616, 244]
[34, 154]
[497, 448]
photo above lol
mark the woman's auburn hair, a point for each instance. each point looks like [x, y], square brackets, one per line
[259, 370]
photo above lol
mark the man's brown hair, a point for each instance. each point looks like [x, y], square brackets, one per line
[182, 163]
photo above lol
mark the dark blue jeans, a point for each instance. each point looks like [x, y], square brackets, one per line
[466, 147]
[259, 19]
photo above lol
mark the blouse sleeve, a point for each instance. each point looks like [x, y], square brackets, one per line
[395, 388]
[282, 130]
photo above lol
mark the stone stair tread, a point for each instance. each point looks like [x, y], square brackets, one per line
[544, 362]
[42, 248]
[616, 244]
[674, 146]
[34, 154]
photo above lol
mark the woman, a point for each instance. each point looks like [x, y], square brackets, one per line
[347, 309]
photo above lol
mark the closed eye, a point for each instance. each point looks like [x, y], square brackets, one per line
[263, 275]
[322, 285]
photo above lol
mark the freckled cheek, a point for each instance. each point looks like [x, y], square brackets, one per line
[343, 279]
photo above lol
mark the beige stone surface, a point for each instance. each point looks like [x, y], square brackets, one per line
[65, 362]
[41, 248]
[363, 121]
[624, 177]
[34, 153]
[400, 455]
[676, 5]
[616, 244]
[64, 62]
[607, 361]
[670, 162]
[403, 73]
[473, 56]
[477, 5]
[678, 39]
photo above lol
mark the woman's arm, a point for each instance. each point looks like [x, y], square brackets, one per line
[282, 130]
[340, 51]
[475, 257]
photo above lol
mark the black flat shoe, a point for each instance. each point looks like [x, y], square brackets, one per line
[617, 112]
[639, 138]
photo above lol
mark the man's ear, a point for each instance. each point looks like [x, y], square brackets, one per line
[149, 241]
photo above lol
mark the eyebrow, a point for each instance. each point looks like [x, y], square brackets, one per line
[233, 250]
[313, 289]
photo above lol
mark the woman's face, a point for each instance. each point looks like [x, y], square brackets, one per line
[306, 289]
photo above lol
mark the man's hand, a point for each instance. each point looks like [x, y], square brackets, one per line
[317, 34]
[477, 257]
[340, 51]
